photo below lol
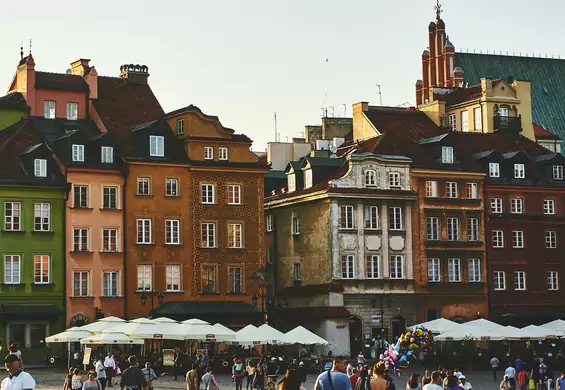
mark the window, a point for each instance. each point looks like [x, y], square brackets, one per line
[499, 280]
[308, 178]
[370, 178]
[207, 191]
[171, 187]
[371, 217]
[223, 153]
[454, 270]
[12, 216]
[172, 277]
[519, 171]
[394, 179]
[291, 181]
[517, 239]
[373, 267]
[550, 239]
[49, 109]
[41, 269]
[516, 205]
[109, 240]
[431, 189]
[447, 155]
[234, 194]
[432, 228]
[494, 170]
[72, 111]
[552, 281]
[144, 231]
[397, 267]
[434, 274]
[80, 196]
[497, 239]
[474, 270]
[452, 122]
[208, 153]
[40, 167]
[12, 271]
[236, 280]
[548, 206]
[172, 231]
[107, 154]
[452, 229]
[143, 186]
[269, 255]
[180, 126]
[348, 267]
[395, 218]
[519, 280]
[297, 272]
[78, 153]
[472, 229]
[235, 239]
[451, 189]
[144, 277]
[110, 197]
[472, 191]
[208, 280]
[110, 284]
[496, 205]
[208, 230]
[269, 222]
[42, 217]
[558, 172]
[295, 226]
[156, 146]
[80, 240]
[346, 217]
[465, 120]
[477, 118]
[81, 284]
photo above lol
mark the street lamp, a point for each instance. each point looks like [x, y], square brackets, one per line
[255, 301]
[152, 295]
[388, 305]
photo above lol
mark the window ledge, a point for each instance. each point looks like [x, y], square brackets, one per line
[85, 252]
[244, 294]
[82, 298]
[145, 291]
[347, 230]
[109, 209]
[172, 196]
[372, 231]
[110, 297]
[209, 293]
[145, 244]
[237, 249]
[13, 231]
[170, 244]
[42, 232]
[144, 196]
[42, 284]
[82, 208]
[208, 247]
[110, 252]
[13, 284]
[173, 291]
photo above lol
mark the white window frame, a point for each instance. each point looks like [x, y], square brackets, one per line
[496, 205]
[516, 205]
[208, 153]
[494, 169]
[171, 187]
[291, 182]
[474, 265]
[394, 180]
[72, 111]
[346, 217]
[371, 217]
[110, 239]
[373, 267]
[40, 167]
[269, 222]
[477, 119]
[172, 231]
[13, 222]
[78, 153]
[549, 206]
[107, 154]
[453, 229]
[156, 146]
[348, 267]
[173, 278]
[498, 239]
[519, 280]
[472, 191]
[297, 272]
[397, 267]
[472, 229]
[517, 239]
[519, 171]
[235, 235]
[431, 189]
[112, 290]
[295, 226]
[49, 109]
[451, 190]
[434, 270]
[235, 283]
[234, 194]
[208, 234]
[447, 156]
[15, 261]
[43, 212]
[144, 231]
[464, 120]
[144, 186]
[223, 153]
[144, 277]
[395, 218]
[454, 270]
[80, 196]
[552, 280]
[42, 278]
[452, 122]
[432, 228]
[109, 197]
[207, 193]
[84, 276]
[307, 178]
[499, 280]
[370, 178]
[81, 239]
[557, 172]
[180, 126]
[550, 239]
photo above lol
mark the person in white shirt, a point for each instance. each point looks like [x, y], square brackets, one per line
[494, 366]
[464, 384]
[457, 373]
[435, 384]
[511, 374]
[361, 359]
[18, 379]
[109, 365]
[101, 372]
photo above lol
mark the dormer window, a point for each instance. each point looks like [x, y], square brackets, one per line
[223, 153]
[291, 183]
[78, 153]
[308, 178]
[394, 179]
[180, 126]
[494, 170]
[107, 154]
[558, 172]
[72, 111]
[49, 109]
[447, 155]
[156, 146]
[519, 171]
[370, 178]
[40, 167]
[208, 153]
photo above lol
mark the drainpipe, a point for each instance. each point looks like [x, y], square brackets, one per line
[487, 262]
[64, 201]
[125, 172]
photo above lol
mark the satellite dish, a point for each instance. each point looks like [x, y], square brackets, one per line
[69, 71]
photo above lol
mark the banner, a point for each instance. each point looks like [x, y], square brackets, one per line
[168, 357]
[86, 357]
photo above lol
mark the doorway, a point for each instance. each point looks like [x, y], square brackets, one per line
[398, 327]
[355, 335]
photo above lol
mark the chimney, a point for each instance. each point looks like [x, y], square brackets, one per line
[80, 67]
[135, 74]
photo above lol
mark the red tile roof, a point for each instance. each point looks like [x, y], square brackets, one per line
[461, 95]
[542, 133]
[414, 124]
[60, 81]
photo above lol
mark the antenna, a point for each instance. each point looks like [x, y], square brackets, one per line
[276, 130]
[30, 46]
[345, 110]
[380, 94]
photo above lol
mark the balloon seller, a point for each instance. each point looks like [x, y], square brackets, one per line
[408, 345]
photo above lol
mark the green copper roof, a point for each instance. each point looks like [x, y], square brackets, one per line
[547, 78]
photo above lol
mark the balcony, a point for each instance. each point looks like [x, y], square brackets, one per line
[511, 124]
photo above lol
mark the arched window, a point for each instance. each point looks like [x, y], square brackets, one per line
[370, 178]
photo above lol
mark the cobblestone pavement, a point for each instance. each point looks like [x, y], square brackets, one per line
[53, 380]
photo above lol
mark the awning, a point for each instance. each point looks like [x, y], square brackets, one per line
[29, 310]
[314, 312]
[201, 308]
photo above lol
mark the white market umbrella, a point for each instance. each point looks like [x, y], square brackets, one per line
[439, 325]
[112, 319]
[253, 335]
[144, 328]
[165, 320]
[205, 332]
[471, 332]
[486, 324]
[195, 321]
[111, 338]
[223, 328]
[102, 324]
[301, 335]
[540, 333]
[70, 335]
[268, 331]
[556, 325]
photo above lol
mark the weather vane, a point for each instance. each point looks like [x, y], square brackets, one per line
[438, 10]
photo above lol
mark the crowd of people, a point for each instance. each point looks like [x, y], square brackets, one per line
[532, 375]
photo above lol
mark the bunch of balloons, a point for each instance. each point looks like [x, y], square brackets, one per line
[400, 354]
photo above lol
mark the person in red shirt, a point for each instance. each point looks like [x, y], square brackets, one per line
[523, 380]
[354, 377]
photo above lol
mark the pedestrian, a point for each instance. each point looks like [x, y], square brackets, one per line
[379, 380]
[452, 383]
[101, 372]
[427, 378]
[192, 379]
[76, 380]
[464, 384]
[518, 364]
[291, 381]
[494, 362]
[14, 349]
[209, 380]
[249, 373]
[349, 369]
[335, 379]
[505, 384]
[238, 372]
[18, 379]
[110, 366]
[132, 377]
[91, 383]
[303, 373]
[259, 378]
[523, 380]
[353, 378]
[560, 383]
[435, 383]
[68, 379]
[511, 374]
[176, 364]
[272, 369]
[413, 382]
[361, 359]
[149, 375]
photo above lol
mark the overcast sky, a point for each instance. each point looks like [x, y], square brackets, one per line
[243, 60]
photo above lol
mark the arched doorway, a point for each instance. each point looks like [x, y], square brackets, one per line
[355, 335]
[398, 327]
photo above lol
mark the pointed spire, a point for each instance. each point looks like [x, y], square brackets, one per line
[30, 44]
[21, 50]
[438, 10]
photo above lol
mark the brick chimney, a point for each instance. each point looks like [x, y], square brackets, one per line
[135, 74]
[81, 67]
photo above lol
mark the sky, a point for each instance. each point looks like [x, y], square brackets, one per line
[244, 60]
